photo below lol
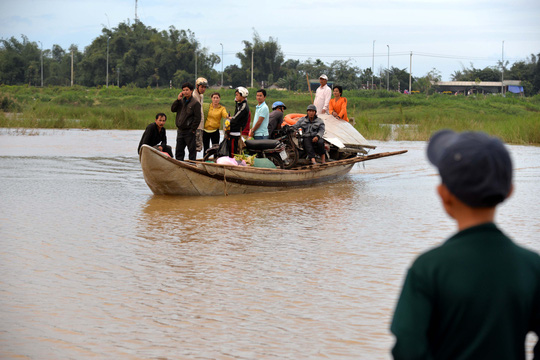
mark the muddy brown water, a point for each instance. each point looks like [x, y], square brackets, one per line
[93, 266]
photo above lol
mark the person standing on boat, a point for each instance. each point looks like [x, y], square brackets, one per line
[188, 118]
[216, 112]
[323, 94]
[201, 84]
[276, 117]
[239, 120]
[312, 131]
[477, 295]
[155, 135]
[260, 127]
[338, 105]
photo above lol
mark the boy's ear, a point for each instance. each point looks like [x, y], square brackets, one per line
[511, 191]
[443, 192]
[447, 198]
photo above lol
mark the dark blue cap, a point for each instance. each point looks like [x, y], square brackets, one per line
[474, 166]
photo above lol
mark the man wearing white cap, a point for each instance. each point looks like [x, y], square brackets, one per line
[322, 95]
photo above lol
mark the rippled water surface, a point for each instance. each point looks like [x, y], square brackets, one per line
[93, 266]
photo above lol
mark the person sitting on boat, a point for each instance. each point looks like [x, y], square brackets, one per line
[276, 117]
[239, 120]
[312, 134]
[216, 112]
[188, 118]
[155, 135]
[338, 105]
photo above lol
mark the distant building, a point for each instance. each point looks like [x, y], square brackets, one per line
[483, 87]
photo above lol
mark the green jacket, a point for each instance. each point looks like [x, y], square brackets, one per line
[474, 297]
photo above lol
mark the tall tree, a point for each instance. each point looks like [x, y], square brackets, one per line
[145, 57]
[471, 74]
[399, 79]
[267, 59]
[428, 82]
[345, 74]
[20, 61]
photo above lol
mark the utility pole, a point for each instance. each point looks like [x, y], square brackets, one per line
[410, 75]
[108, 61]
[221, 64]
[118, 76]
[502, 70]
[388, 70]
[195, 68]
[373, 64]
[136, 18]
[41, 63]
[72, 67]
[252, 67]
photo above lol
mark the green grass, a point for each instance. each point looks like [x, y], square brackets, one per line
[515, 120]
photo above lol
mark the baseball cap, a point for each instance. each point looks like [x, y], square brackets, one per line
[323, 77]
[474, 166]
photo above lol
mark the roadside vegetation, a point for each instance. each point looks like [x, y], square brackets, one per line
[514, 119]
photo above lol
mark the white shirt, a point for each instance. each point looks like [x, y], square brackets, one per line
[322, 98]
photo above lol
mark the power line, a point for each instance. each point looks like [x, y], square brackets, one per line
[455, 57]
[393, 54]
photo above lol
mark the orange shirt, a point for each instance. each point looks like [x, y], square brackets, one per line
[340, 107]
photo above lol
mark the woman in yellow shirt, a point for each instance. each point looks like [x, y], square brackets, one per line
[338, 105]
[216, 112]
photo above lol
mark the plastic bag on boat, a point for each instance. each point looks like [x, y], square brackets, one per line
[225, 160]
[264, 163]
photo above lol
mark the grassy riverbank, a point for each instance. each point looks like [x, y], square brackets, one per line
[515, 120]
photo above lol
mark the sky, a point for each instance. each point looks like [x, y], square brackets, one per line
[446, 35]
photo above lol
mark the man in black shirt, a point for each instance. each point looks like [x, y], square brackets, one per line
[155, 135]
[188, 118]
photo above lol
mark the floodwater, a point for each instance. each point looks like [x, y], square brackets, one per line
[93, 266]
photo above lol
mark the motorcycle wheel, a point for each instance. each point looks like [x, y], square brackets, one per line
[276, 159]
[292, 156]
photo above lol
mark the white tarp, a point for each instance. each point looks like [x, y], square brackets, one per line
[343, 131]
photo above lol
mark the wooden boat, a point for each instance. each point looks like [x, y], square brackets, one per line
[167, 176]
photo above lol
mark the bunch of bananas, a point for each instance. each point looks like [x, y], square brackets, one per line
[250, 160]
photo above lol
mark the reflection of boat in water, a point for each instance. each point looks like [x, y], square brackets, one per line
[167, 176]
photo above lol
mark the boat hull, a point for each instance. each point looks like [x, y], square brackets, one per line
[167, 176]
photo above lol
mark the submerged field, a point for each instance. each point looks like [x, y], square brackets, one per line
[515, 120]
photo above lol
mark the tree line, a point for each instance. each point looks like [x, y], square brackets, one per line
[141, 56]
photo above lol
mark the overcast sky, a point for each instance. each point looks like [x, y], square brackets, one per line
[442, 34]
